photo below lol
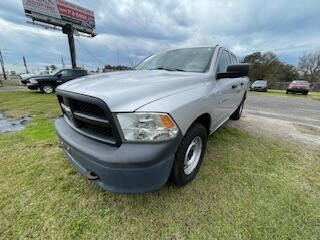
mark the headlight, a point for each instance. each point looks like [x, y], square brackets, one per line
[147, 126]
[32, 80]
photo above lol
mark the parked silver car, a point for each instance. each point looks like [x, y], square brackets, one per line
[259, 86]
[129, 131]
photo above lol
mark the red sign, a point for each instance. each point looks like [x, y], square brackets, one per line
[77, 13]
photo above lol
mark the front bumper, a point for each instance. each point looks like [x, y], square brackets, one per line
[130, 168]
[298, 90]
[33, 86]
[258, 89]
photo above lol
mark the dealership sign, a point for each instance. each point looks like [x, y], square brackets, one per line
[45, 7]
[76, 13]
[59, 12]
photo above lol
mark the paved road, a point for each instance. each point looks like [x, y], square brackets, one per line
[291, 119]
[291, 109]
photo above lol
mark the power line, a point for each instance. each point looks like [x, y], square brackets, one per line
[89, 53]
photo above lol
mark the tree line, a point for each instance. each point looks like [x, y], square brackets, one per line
[267, 66]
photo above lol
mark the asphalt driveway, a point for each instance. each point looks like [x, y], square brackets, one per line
[292, 119]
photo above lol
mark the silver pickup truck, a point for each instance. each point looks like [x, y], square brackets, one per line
[130, 131]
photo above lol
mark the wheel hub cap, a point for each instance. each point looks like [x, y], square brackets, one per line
[192, 155]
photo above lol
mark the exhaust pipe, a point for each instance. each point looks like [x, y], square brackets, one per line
[92, 175]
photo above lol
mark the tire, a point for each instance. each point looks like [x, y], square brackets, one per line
[191, 150]
[47, 88]
[236, 115]
[306, 93]
[287, 92]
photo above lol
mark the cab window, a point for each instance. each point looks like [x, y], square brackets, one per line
[234, 59]
[224, 62]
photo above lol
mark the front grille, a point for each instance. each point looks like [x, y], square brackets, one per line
[89, 116]
[96, 129]
[87, 108]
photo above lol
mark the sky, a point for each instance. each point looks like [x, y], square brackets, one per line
[130, 30]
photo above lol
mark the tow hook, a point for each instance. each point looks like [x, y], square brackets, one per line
[92, 176]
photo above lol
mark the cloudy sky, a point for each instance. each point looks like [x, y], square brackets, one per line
[133, 29]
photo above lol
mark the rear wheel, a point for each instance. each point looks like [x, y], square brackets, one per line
[47, 88]
[287, 92]
[189, 156]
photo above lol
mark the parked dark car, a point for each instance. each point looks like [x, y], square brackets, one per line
[259, 85]
[47, 84]
[298, 86]
[26, 77]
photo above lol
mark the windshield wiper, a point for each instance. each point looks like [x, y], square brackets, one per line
[169, 69]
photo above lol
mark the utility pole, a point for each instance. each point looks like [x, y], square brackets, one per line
[62, 61]
[2, 65]
[25, 64]
[68, 29]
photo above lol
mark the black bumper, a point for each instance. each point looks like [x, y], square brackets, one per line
[259, 89]
[297, 90]
[130, 168]
[32, 86]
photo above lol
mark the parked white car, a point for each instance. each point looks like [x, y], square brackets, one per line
[25, 77]
[129, 131]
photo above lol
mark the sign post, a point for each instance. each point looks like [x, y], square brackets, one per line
[25, 64]
[68, 29]
[2, 66]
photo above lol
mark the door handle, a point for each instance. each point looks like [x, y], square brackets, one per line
[234, 86]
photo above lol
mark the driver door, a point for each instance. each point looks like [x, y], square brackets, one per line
[224, 87]
[65, 76]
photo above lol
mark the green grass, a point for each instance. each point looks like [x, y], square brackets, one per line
[248, 187]
[273, 92]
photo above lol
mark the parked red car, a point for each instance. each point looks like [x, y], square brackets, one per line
[298, 86]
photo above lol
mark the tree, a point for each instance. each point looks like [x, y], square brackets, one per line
[53, 67]
[267, 66]
[47, 68]
[309, 63]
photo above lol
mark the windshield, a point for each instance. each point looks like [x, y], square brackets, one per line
[44, 73]
[260, 82]
[187, 60]
[299, 82]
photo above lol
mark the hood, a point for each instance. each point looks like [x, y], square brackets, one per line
[45, 77]
[38, 76]
[129, 90]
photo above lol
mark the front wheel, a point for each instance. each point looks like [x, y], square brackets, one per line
[189, 156]
[47, 88]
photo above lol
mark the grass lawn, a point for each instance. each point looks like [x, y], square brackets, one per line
[273, 92]
[248, 187]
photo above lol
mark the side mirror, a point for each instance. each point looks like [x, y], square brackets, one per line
[59, 75]
[235, 71]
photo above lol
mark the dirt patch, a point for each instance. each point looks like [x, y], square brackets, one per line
[12, 88]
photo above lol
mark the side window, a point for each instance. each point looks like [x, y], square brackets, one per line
[224, 62]
[66, 73]
[234, 59]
